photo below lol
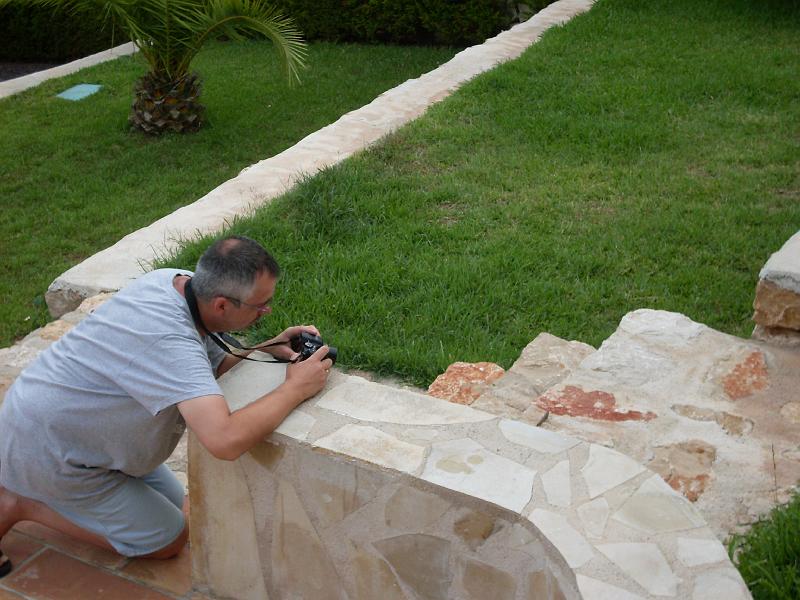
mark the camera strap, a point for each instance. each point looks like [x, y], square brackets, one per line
[191, 300]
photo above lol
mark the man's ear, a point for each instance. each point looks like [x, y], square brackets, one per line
[219, 305]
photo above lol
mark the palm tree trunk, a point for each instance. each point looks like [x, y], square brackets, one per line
[162, 105]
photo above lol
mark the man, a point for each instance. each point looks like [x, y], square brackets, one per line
[85, 430]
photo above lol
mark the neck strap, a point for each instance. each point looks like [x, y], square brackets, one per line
[191, 300]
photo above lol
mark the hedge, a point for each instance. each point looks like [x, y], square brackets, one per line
[36, 34]
[429, 22]
[32, 33]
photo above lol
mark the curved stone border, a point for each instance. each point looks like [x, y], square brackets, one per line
[19, 84]
[606, 526]
[112, 268]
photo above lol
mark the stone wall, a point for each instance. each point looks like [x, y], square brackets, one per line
[370, 492]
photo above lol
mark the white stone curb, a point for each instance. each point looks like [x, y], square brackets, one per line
[783, 267]
[112, 268]
[14, 86]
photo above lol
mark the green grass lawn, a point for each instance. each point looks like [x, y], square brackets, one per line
[74, 180]
[768, 556]
[644, 155]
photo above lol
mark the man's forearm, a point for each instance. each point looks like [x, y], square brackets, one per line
[251, 424]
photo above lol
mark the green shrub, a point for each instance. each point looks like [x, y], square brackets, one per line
[32, 33]
[429, 22]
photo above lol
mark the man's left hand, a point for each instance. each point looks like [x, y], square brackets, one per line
[284, 351]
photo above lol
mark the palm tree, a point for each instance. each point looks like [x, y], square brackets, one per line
[170, 33]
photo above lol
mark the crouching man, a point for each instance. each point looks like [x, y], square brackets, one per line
[86, 428]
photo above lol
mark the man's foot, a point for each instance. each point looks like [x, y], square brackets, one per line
[5, 565]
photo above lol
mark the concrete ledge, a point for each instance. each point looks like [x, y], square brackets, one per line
[19, 84]
[112, 268]
[375, 492]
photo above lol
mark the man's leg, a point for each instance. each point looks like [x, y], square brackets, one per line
[15, 508]
[143, 518]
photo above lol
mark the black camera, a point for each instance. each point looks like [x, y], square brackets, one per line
[307, 343]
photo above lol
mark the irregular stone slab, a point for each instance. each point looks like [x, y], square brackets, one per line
[594, 404]
[541, 440]
[301, 566]
[592, 589]
[572, 545]
[748, 376]
[297, 425]
[791, 412]
[594, 516]
[370, 401]
[474, 528]
[606, 469]
[543, 586]
[463, 382]
[645, 564]
[374, 446]
[733, 424]
[421, 561]
[482, 581]
[410, 508]
[374, 579]
[466, 466]
[686, 467]
[661, 327]
[657, 508]
[557, 486]
[543, 363]
[694, 552]
[776, 306]
[723, 583]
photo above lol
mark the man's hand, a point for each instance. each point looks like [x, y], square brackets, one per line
[284, 351]
[308, 377]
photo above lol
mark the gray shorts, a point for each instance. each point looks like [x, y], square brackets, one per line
[141, 516]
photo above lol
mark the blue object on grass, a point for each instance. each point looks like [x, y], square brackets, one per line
[79, 92]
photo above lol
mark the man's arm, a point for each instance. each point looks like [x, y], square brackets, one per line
[228, 435]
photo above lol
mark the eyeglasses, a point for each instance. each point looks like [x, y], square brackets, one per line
[264, 307]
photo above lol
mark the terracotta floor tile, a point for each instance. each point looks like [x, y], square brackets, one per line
[6, 595]
[19, 547]
[173, 575]
[55, 576]
[71, 546]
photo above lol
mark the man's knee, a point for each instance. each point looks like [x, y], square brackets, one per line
[173, 549]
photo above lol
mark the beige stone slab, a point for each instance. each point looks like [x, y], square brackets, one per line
[466, 466]
[374, 446]
[368, 401]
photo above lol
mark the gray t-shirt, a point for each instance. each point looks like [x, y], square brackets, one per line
[101, 401]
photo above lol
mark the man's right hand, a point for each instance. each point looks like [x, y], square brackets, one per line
[309, 376]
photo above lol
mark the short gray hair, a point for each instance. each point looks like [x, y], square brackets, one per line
[229, 267]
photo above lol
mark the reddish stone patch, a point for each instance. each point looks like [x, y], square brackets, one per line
[462, 382]
[691, 487]
[747, 377]
[597, 404]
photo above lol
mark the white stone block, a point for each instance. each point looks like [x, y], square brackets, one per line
[645, 564]
[374, 446]
[606, 469]
[466, 466]
[572, 545]
[537, 438]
